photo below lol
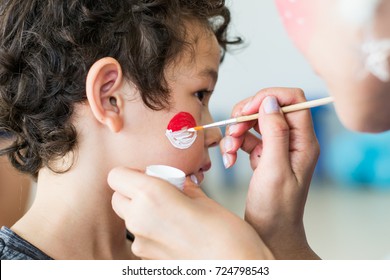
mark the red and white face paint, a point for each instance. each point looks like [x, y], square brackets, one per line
[298, 19]
[177, 132]
[375, 51]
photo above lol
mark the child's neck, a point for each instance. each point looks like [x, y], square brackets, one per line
[72, 217]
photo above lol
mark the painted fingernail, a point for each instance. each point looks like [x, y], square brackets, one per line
[228, 144]
[271, 105]
[194, 179]
[226, 161]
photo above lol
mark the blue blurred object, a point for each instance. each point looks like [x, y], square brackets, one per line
[318, 114]
[355, 159]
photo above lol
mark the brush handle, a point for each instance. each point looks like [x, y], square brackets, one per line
[286, 109]
[290, 108]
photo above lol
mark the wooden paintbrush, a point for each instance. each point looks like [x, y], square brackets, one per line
[286, 109]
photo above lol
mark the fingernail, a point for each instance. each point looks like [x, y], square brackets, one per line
[232, 129]
[226, 161]
[247, 106]
[237, 114]
[194, 179]
[271, 105]
[228, 144]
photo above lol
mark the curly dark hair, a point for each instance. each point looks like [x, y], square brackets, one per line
[48, 46]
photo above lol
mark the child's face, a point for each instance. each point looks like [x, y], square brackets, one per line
[191, 79]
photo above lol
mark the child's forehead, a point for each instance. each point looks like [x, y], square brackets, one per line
[200, 57]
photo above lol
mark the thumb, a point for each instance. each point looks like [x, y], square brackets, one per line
[192, 190]
[275, 133]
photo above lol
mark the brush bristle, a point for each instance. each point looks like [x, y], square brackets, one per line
[194, 129]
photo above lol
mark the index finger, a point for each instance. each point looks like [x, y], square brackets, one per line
[129, 182]
[285, 96]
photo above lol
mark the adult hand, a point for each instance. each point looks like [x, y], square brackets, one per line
[170, 225]
[283, 161]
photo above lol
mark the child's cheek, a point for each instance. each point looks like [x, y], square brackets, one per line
[177, 133]
[298, 19]
[186, 150]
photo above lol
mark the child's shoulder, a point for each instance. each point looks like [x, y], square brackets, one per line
[14, 247]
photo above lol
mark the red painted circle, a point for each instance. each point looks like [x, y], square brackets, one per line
[180, 121]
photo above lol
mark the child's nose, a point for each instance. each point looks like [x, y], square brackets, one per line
[212, 137]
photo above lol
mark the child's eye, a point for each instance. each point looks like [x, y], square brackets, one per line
[202, 95]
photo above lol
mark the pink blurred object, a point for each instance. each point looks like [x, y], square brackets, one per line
[298, 19]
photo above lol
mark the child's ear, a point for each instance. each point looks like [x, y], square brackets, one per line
[103, 89]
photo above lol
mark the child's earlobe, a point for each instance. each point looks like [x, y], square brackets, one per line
[103, 89]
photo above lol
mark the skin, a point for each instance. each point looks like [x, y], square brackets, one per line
[284, 158]
[283, 162]
[333, 51]
[361, 102]
[212, 221]
[147, 194]
[168, 232]
[191, 87]
[178, 242]
[72, 215]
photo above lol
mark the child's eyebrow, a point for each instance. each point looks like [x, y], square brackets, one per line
[209, 73]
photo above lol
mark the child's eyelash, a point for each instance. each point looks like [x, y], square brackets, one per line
[201, 94]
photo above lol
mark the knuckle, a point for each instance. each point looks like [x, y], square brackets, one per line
[312, 150]
[145, 196]
[137, 227]
[316, 149]
[137, 248]
[152, 192]
[130, 226]
[237, 108]
[300, 94]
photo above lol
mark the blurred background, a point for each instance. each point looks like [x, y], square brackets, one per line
[349, 201]
[347, 210]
